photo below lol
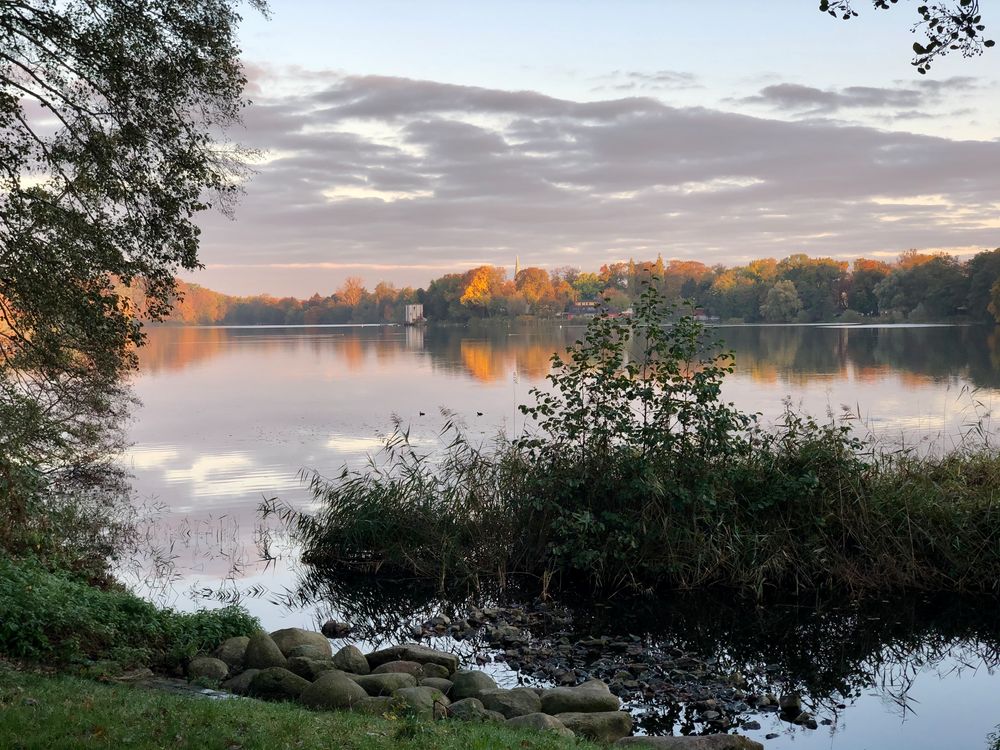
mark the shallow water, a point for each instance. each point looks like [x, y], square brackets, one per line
[231, 416]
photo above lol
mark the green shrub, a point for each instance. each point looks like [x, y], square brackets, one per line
[54, 617]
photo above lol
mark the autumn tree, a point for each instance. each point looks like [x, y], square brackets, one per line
[483, 287]
[352, 291]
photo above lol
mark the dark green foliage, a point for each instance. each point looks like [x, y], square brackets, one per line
[640, 476]
[141, 94]
[56, 618]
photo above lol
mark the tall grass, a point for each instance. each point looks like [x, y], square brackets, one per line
[638, 476]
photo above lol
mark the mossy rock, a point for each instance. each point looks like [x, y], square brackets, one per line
[469, 684]
[385, 684]
[262, 653]
[290, 638]
[350, 659]
[277, 684]
[332, 690]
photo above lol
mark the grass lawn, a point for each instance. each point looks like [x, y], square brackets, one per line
[66, 712]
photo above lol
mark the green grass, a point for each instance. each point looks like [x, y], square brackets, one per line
[57, 618]
[67, 712]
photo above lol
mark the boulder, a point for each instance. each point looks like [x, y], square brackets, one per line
[308, 668]
[207, 668]
[350, 659]
[262, 652]
[602, 726]
[384, 684]
[413, 652]
[436, 682]
[240, 684]
[469, 684]
[406, 667]
[511, 703]
[540, 722]
[423, 702]
[472, 709]
[336, 629]
[277, 684]
[436, 670]
[589, 697]
[332, 690]
[290, 638]
[232, 651]
[309, 651]
[790, 703]
[381, 705]
[708, 742]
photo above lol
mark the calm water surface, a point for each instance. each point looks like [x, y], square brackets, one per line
[233, 415]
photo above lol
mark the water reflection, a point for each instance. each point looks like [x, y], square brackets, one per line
[886, 674]
[793, 354]
[231, 416]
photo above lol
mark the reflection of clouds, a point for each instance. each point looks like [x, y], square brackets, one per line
[353, 444]
[149, 457]
[228, 474]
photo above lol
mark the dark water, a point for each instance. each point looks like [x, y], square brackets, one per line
[231, 416]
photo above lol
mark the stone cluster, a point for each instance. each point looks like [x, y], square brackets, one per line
[300, 665]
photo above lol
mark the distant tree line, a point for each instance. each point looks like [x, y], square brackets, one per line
[916, 287]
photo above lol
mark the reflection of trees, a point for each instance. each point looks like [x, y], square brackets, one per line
[799, 353]
[828, 653]
[489, 353]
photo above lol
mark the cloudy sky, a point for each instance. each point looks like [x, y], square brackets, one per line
[402, 140]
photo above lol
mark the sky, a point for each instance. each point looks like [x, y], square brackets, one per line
[400, 140]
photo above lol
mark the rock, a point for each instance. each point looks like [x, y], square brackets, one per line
[336, 629]
[602, 726]
[472, 709]
[277, 684]
[310, 669]
[240, 684]
[506, 634]
[262, 652]
[290, 638]
[540, 722]
[207, 668]
[232, 651]
[309, 651]
[805, 719]
[589, 697]
[332, 690]
[407, 667]
[708, 742]
[469, 684]
[380, 705]
[350, 659]
[385, 684]
[436, 682]
[436, 670]
[790, 703]
[511, 703]
[413, 652]
[423, 702]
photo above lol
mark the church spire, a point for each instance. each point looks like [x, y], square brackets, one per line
[517, 266]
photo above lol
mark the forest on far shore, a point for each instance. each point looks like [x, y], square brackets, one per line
[916, 287]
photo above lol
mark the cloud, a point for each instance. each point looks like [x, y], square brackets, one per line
[377, 172]
[655, 81]
[814, 101]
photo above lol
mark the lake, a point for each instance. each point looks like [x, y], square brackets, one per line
[231, 416]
